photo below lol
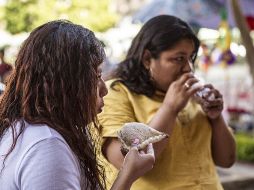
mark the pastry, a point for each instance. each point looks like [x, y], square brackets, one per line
[138, 134]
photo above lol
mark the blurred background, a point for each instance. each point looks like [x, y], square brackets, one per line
[225, 28]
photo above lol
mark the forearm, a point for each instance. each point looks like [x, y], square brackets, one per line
[223, 143]
[122, 182]
[164, 121]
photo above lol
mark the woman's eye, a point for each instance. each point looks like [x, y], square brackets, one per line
[179, 59]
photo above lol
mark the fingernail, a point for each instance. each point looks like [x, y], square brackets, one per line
[135, 142]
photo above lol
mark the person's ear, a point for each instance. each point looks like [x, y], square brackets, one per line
[146, 59]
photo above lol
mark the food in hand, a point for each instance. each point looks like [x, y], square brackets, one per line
[204, 91]
[139, 135]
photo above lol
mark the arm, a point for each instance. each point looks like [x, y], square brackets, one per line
[164, 120]
[135, 165]
[112, 146]
[223, 143]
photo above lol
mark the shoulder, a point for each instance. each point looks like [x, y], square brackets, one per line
[49, 163]
[34, 133]
[39, 139]
[117, 86]
[31, 135]
[40, 160]
[45, 149]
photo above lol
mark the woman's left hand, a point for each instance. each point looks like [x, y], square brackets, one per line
[211, 106]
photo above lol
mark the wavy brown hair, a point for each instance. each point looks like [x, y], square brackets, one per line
[55, 83]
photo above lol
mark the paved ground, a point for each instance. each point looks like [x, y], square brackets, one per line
[238, 177]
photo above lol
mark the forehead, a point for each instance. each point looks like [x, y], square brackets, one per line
[185, 46]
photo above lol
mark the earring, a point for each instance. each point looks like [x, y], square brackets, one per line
[150, 71]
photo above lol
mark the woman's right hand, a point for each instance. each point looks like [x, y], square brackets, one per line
[180, 91]
[137, 163]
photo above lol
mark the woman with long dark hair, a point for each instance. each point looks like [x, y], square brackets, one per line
[155, 85]
[48, 110]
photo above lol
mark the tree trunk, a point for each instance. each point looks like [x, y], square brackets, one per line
[245, 34]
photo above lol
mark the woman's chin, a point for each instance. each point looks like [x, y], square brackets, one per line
[99, 110]
[100, 107]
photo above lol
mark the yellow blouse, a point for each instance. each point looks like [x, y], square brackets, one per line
[185, 164]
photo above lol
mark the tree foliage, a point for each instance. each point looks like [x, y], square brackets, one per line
[18, 16]
[24, 15]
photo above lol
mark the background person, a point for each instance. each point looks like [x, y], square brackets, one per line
[5, 68]
[153, 85]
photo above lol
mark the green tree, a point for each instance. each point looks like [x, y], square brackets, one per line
[18, 16]
[24, 15]
[1, 13]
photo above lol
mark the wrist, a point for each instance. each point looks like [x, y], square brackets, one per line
[125, 177]
[169, 110]
[216, 120]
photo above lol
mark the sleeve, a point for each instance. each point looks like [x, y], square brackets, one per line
[49, 164]
[117, 111]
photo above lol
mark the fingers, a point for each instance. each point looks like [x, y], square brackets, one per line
[190, 83]
[150, 149]
[133, 152]
[213, 103]
[215, 92]
[209, 86]
[149, 156]
[218, 107]
[185, 77]
[213, 106]
[135, 142]
[134, 146]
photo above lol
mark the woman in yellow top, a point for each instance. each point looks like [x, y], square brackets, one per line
[153, 85]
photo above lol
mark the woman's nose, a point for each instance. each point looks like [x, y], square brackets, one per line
[188, 66]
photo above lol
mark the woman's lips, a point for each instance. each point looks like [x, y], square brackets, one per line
[100, 106]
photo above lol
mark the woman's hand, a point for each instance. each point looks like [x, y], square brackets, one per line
[136, 164]
[223, 143]
[211, 106]
[180, 91]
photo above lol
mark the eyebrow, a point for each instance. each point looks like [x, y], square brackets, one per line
[184, 53]
[181, 53]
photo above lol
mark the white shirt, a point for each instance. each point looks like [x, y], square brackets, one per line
[41, 160]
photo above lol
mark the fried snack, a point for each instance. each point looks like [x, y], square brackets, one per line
[131, 132]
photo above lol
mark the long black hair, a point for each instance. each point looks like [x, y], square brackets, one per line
[158, 34]
[55, 83]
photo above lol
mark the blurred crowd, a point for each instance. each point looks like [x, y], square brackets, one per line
[5, 69]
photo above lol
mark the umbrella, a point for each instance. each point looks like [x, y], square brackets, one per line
[198, 13]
